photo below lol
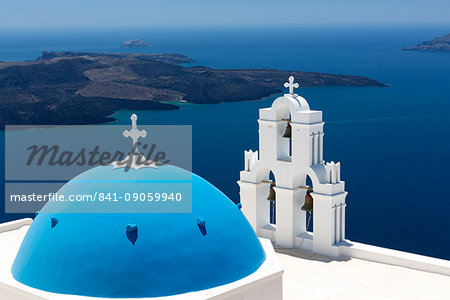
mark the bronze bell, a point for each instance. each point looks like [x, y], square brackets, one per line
[271, 196]
[288, 132]
[308, 205]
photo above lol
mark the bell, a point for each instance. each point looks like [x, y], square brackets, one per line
[308, 205]
[288, 133]
[271, 196]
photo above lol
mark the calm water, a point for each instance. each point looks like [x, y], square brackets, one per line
[393, 142]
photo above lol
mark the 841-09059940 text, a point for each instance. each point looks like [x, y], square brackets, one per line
[98, 196]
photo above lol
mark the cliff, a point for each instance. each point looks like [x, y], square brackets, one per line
[86, 88]
[134, 44]
[437, 44]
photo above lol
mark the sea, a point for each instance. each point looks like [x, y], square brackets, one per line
[393, 142]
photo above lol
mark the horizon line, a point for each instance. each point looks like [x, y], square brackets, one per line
[209, 26]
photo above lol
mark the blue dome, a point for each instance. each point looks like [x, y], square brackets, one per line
[91, 254]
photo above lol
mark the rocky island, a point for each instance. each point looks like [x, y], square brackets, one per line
[86, 88]
[134, 44]
[437, 44]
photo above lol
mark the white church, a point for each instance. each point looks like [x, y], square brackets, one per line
[284, 240]
[291, 147]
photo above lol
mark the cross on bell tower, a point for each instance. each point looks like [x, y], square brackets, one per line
[293, 159]
[291, 85]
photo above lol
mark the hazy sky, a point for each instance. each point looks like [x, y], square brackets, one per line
[81, 13]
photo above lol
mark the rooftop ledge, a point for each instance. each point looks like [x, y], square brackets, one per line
[362, 271]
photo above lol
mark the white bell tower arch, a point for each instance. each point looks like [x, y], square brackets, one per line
[292, 160]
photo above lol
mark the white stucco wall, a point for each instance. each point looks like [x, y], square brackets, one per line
[394, 257]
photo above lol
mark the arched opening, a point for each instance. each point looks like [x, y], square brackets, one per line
[305, 182]
[288, 135]
[309, 214]
[272, 206]
[284, 129]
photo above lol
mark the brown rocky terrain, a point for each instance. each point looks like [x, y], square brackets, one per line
[86, 88]
[437, 44]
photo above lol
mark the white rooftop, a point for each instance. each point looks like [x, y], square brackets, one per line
[306, 276]
[310, 276]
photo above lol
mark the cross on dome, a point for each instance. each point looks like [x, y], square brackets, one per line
[134, 159]
[134, 133]
[291, 85]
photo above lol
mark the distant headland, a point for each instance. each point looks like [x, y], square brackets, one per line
[87, 87]
[437, 44]
[134, 44]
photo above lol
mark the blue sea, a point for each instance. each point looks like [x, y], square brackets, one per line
[393, 143]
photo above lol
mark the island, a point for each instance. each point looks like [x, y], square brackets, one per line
[437, 44]
[86, 88]
[134, 44]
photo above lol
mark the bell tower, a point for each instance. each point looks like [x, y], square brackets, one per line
[291, 147]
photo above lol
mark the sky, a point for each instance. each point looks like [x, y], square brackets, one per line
[115, 13]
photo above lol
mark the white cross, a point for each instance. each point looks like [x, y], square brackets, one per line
[134, 133]
[291, 85]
